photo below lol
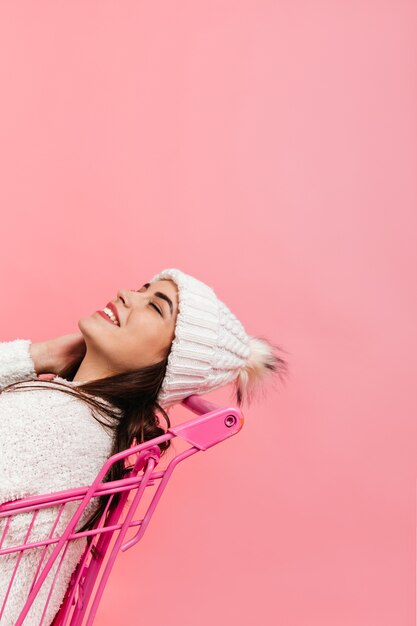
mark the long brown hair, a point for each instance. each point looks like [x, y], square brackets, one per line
[132, 414]
[133, 409]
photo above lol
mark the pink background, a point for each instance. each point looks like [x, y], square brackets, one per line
[269, 149]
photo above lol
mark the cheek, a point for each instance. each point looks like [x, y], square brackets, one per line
[144, 333]
[132, 348]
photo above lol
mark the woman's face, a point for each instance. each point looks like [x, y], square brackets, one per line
[145, 334]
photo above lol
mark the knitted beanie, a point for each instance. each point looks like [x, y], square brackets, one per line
[211, 347]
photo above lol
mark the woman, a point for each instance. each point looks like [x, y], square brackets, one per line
[141, 354]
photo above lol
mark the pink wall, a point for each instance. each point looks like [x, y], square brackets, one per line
[270, 149]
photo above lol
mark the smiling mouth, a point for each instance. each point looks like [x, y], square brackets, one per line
[106, 317]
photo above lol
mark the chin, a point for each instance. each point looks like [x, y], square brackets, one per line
[84, 323]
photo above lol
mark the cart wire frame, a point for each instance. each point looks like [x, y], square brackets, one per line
[212, 425]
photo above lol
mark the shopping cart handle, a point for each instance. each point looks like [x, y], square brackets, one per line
[199, 405]
[214, 424]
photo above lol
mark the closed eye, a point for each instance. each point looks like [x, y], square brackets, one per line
[157, 308]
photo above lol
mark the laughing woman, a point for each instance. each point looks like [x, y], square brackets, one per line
[144, 352]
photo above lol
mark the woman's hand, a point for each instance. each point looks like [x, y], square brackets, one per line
[56, 355]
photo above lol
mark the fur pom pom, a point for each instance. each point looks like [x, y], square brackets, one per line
[252, 376]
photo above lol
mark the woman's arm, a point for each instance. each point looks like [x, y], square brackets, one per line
[40, 354]
[16, 362]
[21, 359]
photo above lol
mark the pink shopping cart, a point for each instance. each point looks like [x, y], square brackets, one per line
[213, 425]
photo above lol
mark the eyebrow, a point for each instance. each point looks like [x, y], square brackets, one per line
[163, 296]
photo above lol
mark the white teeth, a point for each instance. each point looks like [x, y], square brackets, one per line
[111, 315]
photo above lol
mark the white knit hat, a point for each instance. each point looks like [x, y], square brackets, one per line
[211, 347]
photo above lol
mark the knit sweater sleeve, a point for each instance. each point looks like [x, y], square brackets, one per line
[16, 362]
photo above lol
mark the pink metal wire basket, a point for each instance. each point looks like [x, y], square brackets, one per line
[79, 607]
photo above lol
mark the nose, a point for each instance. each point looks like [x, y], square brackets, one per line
[122, 294]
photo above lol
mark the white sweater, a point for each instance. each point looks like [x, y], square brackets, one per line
[49, 441]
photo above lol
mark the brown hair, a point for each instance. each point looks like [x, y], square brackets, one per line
[132, 413]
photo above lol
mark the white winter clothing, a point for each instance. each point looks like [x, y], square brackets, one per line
[49, 441]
